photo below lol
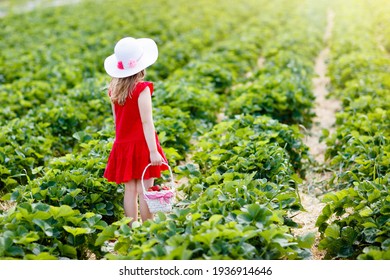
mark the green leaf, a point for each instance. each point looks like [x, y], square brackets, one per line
[269, 234]
[208, 237]
[123, 221]
[256, 213]
[37, 170]
[369, 224]
[349, 234]
[62, 211]
[41, 256]
[5, 243]
[333, 231]
[15, 195]
[283, 242]
[370, 234]
[77, 231]
[78, 179]
[68, 251]
[6, 197]
[296, 178]
[307, 240]
[41, 215]
[214, 220]
[345, 251]
[45, 227]
[28, 238]
[244, 218]
[365, 212]
[75, 192]
[94, 197]
[179, 253]
[107, 234]
[374, 195]
[75, 220]
[325, 214]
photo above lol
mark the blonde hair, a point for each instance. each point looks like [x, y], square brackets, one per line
[121, 88]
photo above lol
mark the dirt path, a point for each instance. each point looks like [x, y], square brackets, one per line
[325, 109]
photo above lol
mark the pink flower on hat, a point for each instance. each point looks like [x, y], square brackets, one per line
[132, 63]
[120, 65]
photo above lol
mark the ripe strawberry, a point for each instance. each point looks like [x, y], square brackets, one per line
[165, 188]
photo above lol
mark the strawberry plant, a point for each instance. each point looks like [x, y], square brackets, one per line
[75, 180]
[42, 231]
[282, 87]
[362, 215]
[22, 151]
[289, 102]
[226, 138]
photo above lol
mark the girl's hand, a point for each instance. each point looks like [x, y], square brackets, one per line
[156, 158]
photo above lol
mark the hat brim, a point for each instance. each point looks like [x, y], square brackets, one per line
[148, 58]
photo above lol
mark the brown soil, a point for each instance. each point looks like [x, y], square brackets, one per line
[6, 205]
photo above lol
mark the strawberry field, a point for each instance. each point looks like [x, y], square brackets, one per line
[234, 102]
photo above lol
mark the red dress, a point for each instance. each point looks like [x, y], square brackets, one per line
[130, 153]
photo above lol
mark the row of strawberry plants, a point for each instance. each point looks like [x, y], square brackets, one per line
[76, 180]
[237, 202]
[355, 221]
[42, 109]
[29, 142]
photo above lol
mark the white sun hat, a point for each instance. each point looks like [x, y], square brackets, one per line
[130, 57]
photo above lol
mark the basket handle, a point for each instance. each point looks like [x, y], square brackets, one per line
[143, 174]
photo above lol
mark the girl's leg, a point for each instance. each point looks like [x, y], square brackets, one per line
[130, 200]
[143, 207]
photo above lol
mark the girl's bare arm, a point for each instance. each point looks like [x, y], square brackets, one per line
[113, 110]
[145, 109]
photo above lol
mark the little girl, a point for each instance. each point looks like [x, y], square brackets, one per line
[136, 143]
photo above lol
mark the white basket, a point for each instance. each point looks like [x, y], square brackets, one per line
[160, 201]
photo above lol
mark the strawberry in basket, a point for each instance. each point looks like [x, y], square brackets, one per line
[154, 189]
[157, 188]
